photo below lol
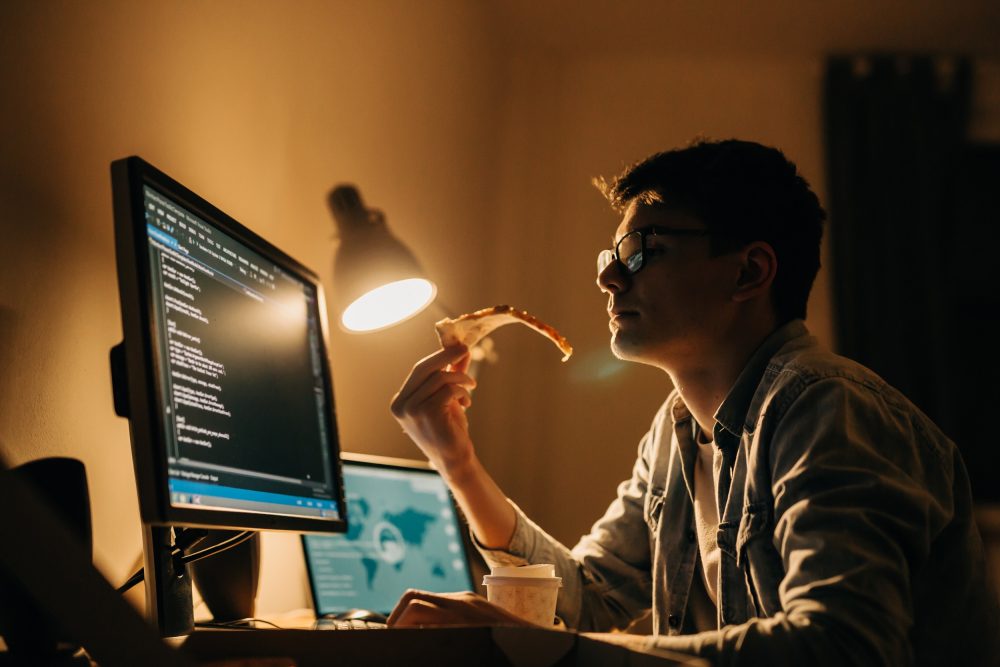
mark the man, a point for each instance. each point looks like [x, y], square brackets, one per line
[786, 504]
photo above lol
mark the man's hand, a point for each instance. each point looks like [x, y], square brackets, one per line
[420, 608]
[431, 406]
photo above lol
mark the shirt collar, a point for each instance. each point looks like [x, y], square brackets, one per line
[733, 411]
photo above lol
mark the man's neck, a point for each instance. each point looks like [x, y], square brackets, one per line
[705, 383]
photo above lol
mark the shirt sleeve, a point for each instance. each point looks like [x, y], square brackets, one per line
[606, 580]
[859, 492]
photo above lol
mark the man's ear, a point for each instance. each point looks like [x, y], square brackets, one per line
[758, 266]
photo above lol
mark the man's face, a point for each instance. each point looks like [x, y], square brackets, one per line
[678, 305]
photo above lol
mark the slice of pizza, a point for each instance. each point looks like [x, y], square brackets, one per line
[471, 328]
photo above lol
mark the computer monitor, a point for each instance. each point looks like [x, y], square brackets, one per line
[405, 532]
[223, 374]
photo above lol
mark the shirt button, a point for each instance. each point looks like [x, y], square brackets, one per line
[691, 536]
[673, 620]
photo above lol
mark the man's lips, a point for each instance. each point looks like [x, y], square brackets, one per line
[619, 314]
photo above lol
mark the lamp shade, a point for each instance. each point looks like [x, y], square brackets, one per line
[377, 280]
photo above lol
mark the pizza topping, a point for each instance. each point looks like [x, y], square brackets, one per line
[471, 328]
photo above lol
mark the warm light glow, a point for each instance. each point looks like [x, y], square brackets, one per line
[389, 304]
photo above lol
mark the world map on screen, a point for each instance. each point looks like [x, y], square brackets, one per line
[393, 533]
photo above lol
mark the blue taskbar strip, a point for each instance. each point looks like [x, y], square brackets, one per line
[200, 494]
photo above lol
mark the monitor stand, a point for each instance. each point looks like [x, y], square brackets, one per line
[169, 601]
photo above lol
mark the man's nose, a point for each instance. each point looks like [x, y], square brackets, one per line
[613, 278]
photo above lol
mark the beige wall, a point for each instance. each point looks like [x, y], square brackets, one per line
[473, 125]
[261, 111]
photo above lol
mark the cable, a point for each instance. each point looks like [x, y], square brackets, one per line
[235, 540]
[249, 623]
[139, 575]
[185, 539]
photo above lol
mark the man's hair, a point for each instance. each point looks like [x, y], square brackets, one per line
[742, 192]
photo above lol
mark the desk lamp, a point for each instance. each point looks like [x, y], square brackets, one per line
[378, 281]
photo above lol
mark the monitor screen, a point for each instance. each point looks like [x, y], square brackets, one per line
[404, 532]
[229, 388]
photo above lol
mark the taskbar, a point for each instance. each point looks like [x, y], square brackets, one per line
[200, 495]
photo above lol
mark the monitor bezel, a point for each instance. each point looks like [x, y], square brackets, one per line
[146, 423]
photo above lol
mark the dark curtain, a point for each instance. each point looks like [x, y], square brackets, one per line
[902, 215]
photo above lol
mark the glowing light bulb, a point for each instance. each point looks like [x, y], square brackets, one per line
[389, 304]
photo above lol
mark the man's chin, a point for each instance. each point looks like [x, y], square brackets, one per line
[625, 348]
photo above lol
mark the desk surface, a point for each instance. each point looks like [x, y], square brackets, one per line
[440, 647]
[501, 647]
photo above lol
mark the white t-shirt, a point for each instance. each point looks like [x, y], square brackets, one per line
[706, 513]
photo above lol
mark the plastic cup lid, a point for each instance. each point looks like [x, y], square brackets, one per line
[548, 582]
[540, 570]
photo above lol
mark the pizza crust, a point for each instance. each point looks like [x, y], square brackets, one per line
[471, 328]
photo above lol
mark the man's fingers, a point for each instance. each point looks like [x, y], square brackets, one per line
[441, 385]
[462, 365]
[424, 369]
[427, 599]
[405, 599]
[417, 613]
[466, 608]
[433, 362]
[418, 608]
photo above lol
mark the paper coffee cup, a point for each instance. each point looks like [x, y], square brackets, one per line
[529, 592]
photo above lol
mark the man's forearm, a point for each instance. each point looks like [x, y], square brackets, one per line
[490, 516]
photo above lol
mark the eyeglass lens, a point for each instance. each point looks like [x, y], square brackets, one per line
[604, 258]
[628, 251]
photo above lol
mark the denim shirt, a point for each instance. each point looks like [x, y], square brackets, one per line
[847, 537]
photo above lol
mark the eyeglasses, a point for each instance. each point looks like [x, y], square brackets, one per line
[630, 251]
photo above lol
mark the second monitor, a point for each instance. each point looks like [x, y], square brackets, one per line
[404, 531]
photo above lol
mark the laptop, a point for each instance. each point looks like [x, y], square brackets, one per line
[404, 531]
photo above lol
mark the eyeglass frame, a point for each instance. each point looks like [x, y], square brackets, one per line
[607, 256]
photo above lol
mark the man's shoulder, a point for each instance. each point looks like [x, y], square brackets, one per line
[803, 362]
[804, 370]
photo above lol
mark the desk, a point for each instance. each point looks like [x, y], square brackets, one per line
[437, 647]
[83, 604]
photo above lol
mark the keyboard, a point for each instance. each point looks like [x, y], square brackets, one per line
[352, 624]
